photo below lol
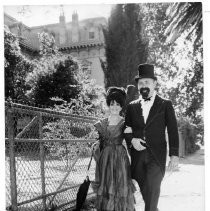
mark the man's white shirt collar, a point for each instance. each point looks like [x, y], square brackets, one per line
[146, 106]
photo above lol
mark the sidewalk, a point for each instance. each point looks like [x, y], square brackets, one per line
[183, 190]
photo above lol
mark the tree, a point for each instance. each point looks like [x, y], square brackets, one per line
[125, 45]
[47, 45]
[176, 62]
[185, 17]
[16, 68]
[55, 77]
[59, 78]
[186, 21]
[179, 65]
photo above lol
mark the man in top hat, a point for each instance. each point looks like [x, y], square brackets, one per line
[147, 119]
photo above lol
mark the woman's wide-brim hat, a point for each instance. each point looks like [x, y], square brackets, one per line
[145, 71]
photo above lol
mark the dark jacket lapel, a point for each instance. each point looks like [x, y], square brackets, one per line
[154, 109]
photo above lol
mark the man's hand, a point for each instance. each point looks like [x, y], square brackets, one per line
[137, 145]
[173, 163]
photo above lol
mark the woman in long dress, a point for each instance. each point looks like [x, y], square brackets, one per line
[115, 190]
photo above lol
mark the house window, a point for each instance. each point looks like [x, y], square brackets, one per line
[91, 35]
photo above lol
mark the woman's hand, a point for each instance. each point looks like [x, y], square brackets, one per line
[96, 150]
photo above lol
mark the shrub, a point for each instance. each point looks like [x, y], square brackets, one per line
[54, 77]
[189, 134]
[88, 103]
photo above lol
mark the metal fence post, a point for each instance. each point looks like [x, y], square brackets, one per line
[42, 163]
[13, 184]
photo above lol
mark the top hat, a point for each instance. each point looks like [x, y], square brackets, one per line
[145, 71]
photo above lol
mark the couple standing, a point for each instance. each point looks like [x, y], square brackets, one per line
[143, 128]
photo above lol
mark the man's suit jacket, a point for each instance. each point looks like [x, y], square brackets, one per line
[161, 116]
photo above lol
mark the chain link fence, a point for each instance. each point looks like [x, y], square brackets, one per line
[47, 154]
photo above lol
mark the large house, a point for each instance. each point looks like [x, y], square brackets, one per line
[82, 39]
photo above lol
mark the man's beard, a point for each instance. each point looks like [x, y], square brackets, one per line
[144, 92]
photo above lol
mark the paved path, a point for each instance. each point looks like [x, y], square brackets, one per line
[183, 190]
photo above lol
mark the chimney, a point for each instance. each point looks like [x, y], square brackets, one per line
[62, 20]
[75, 19]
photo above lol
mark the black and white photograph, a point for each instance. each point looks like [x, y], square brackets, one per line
[103, 106]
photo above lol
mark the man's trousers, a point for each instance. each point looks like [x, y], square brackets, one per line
[146, 171]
